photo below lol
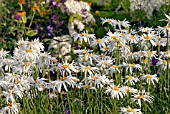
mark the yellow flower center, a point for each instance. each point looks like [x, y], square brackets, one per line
[149, 76]
[55, 60]
[84, 60]
[129, 77]
[29, 50]
[84, 51]
[165, 62]
[142, 52]
[115, 88]
[122, 34]
[131, 65]
[87, 68]
[87, 87]
[132, 37]
[114, 66]
[160, 38]
[166, 27]
[166, 52]
[106, 48]
[98, 40]
[89, 54]
[17, 81]
[120, 44]
[10, 91]
[115, 38]
[27, 63]
[29, 43]
[102, 55]
[145, 61]
[140, 97]
[130, 110]
[104, 62]
[9, 105]
[13, 75]
[94, 77]
[63, 78]
[149, 52]
[128, 90]
[109, 20]
[147, 38]
[83, 34]
[66, 66]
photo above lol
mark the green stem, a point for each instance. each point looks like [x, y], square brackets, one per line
[31, 20]
[167, 32]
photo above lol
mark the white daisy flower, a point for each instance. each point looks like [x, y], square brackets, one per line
[89, 69]
[84, 36]
[62, 82]
[100, 42]
[162, 64]
[114, 91]
[142, 95]
[112, 22]
[130, 110]
[67, 67]
[150, 37]
[3, 53]
[130, 67]
[131, 79]
[128, 89]
[11, 108]
[150, 78]
[132, 38]
[95, 80]
[88, 87]
[123, 23]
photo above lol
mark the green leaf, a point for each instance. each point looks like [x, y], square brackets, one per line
[24, 19]
[71, 18]
[101, 32]
[31, 33]
[78, 17]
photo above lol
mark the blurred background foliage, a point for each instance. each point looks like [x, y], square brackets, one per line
[49, 21]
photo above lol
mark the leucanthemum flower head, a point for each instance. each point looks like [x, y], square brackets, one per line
[150, 78]
[84, 36]
[115, 91]
[142, 95]
[131, 79]
[130, 110]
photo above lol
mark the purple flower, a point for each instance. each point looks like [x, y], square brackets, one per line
[66, 111]
[36, 30]
[54, 3]
[59, 4]
[49, 34]
[49, 28]
[154, 61]
[17, 16]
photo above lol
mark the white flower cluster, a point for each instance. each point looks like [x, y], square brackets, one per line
[62, 46]
[20, 75]
[80, 12]
[147, 5]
